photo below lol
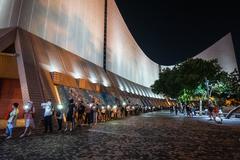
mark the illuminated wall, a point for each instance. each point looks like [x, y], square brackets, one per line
[78, 26]
[9, 10]
[75, 25]
[223, 51]
[124, 56]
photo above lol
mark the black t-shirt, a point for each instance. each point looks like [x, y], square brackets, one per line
[81, 109]
[210, 108]
[71, 108]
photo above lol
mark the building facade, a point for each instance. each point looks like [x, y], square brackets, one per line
[79, 49]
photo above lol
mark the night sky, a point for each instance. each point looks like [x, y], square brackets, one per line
[171, 31]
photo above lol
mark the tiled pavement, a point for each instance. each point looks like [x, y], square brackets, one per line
[148, 136]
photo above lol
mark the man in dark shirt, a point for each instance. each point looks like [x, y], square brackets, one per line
[210, 109]
[70, 115]
[81, 110]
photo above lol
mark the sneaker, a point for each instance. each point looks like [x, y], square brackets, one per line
[9, 137]
[22, 135]
[29, 134]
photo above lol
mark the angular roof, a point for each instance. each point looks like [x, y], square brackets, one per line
[223, 51]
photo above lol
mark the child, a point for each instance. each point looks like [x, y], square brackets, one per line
[12, 120]
[216, 116]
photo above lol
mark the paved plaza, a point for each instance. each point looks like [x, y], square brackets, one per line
[148, 136]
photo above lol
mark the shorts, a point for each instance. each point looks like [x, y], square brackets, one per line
[29, 122]
[69, 118]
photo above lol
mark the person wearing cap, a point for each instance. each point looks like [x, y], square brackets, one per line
[29, 110]
[12, 118]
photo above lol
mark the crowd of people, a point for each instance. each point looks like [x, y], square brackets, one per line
[190, 110]
[79, 114]
[73, 114]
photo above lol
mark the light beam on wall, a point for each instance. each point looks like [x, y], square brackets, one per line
[53, 69]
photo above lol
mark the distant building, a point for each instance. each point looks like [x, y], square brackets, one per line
[223, 51]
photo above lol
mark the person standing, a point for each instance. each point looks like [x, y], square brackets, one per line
[103, 112]
[176, 109]
[191, 110]
[74, 116]
[210, 109]
[122, 111]
[59, 116]
[70, 115]
[88, 115]
[29, 110]
[188, 110]
[95, 113]
[126, 110]
[48, 112]
[12, 118]
[92, 106]
[81, 110]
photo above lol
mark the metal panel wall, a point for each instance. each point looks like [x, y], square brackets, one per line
[55, 59]
[124, 56]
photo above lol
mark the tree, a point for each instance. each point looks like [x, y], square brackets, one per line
[200, 92]
[220, 89]
[234, 84]
[167, 84]
[185, 96]
[186, 76]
